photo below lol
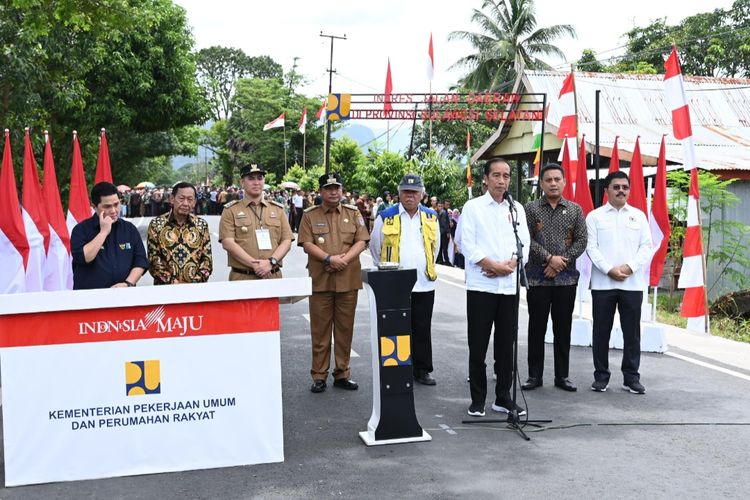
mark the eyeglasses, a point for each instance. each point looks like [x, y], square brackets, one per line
[620, 187]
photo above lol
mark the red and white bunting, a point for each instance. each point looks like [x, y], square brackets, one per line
[79, 205]
[566, 108]
[103, 167]
[614, 166]
[568, 189]
[430, 61]
[692, 273]
[322, 108]
[637, 196]
[277, 123]
[59, 260]
[35, 221]
[659, 219]
[14, 246]
[583, 198]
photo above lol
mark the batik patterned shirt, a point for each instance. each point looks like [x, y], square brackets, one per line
[179, 252]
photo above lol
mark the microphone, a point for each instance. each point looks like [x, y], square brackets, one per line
[507, 197]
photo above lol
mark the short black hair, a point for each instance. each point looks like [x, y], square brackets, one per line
[618, 174]
[551, 166]
[496, 159]
[183, 185]
[102, 189]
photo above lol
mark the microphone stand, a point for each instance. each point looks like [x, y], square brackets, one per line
[514, 420]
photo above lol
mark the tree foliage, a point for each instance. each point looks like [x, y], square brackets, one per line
[82, 65]
[507, 42]
[220, 67]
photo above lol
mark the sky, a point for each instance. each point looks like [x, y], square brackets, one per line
[399, 30]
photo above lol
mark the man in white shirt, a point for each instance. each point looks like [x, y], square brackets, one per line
[298, 201]
[489, 246]
[408, 233]
[619, 246]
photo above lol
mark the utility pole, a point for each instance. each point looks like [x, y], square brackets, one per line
[327, 159]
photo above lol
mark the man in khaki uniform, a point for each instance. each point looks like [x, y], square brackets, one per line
[332, 235]
[254, 232]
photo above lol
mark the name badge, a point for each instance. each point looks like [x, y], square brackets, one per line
[263, 236]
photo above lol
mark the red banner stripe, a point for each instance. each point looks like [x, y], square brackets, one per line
[140, 322]
[693, 243]
[681, 122]
[693, 303]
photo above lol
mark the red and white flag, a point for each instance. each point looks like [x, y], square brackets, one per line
[303, 120]
[584, 200]
[659, 220]
[430, 61]
[79, 205]
[691, 275]
[35, 220]
[14, 247]
[388, 89]
[568, 189]
[637, 196]
[566, 107]
[468, 161]
[103, 168]
[614, 166]
[322, 108]
[277, 123]
[59, 260]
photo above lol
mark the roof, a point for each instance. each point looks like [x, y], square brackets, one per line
[635, 105]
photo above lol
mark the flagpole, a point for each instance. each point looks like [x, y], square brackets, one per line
[304, 145]
[430, 144]
[649, 192]
[388, 135]
[284, 147]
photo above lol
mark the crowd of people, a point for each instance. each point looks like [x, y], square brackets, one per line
[494, 233]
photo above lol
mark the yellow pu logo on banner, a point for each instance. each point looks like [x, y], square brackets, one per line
[142, 377]
[339, 106]
[395, 351]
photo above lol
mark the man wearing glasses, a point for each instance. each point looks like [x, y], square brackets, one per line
[619, 245]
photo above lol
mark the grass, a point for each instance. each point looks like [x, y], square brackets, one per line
[728, 328]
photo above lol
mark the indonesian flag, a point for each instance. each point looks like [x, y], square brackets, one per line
[14, 246]
[388, 89]
[614, 166]
[59, 260]
[568, 129]
[303, 120]
[584, 200]
[35, 221]
[103, 168]
[637, 196]
[430, 61]
[659, 220]
[691, 275]
[468, 163]
[277, 123]
[320, 111]
[568, 189]
[79, 205]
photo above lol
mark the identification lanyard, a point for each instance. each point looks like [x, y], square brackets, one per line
[259, 217]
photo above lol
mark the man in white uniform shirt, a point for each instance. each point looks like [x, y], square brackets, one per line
[619, 246]
[408, 233]
[489, 246]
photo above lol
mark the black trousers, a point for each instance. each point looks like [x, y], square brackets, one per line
[628, 302]
[421, 331]
[443, 257]
[561, 301]
[483, 310]
[297, 218]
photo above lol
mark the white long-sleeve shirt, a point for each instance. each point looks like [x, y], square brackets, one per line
[486, 231]
[617, 237]
[411, 247]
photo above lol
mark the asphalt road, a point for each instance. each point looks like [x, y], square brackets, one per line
[688, 436]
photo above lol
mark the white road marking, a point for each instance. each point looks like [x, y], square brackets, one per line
[709, 365]
[448, 429]
[353, 352]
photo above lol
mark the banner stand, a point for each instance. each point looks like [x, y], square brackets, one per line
[393, 418]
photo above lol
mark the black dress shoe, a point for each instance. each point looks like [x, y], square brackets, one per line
[531, 384]
[565, 385]
[424, 379]
[318, 386]
[345, 383]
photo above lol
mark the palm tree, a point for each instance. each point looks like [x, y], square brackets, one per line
[507, 42]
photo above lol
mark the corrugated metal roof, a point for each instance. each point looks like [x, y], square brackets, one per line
[635, 105]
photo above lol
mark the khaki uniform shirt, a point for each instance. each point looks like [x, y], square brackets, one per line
[241, 219]
[335, 231]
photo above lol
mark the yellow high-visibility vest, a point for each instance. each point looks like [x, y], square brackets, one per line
[389, 250]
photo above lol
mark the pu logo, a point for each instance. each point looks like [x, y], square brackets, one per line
[395, 351]
[142, 377]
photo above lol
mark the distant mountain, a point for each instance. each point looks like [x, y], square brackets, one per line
[367, 137]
